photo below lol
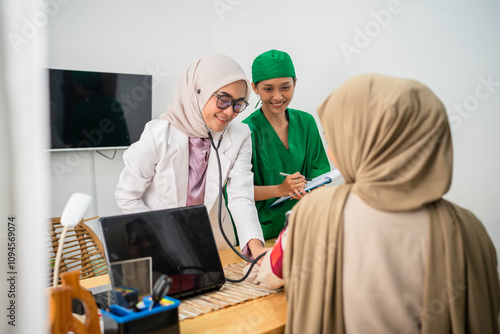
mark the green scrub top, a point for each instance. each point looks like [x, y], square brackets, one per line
[305, 154]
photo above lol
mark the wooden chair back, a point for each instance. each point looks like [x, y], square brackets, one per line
[82, 250]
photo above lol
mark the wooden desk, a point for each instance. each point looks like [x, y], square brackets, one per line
[263, 315]
[93, 282]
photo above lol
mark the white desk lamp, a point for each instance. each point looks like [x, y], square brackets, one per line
[72, 214]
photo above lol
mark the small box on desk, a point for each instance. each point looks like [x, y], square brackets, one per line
[163, 318]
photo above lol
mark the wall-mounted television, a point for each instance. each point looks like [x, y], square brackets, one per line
[97, 110]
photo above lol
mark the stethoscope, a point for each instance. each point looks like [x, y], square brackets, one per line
[216, 149]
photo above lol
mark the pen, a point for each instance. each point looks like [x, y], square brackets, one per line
[285, 174]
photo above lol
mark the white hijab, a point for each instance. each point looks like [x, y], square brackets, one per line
[207, 74]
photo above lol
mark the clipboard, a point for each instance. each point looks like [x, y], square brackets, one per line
[315, 183]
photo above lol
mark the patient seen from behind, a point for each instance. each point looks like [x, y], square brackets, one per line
[384, 252]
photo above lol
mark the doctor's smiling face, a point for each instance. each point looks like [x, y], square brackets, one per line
[232, 97]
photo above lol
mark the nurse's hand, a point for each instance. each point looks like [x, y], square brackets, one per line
[293, 182]
[298, 194]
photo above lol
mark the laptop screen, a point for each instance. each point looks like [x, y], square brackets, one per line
[180, 242]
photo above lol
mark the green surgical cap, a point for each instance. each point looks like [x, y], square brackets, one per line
[272, 64]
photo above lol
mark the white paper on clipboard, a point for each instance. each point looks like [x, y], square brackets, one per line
[316, 182]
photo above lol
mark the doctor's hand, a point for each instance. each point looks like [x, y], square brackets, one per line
[293, 182]
[256, 248]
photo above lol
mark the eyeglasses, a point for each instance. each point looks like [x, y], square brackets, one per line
[224, 102]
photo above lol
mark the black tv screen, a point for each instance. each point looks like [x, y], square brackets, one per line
[98, 109]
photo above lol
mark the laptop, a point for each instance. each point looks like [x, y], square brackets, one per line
[179, 241]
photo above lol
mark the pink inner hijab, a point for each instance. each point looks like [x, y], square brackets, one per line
[199, 151]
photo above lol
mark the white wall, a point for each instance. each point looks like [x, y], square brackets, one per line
[452, 46]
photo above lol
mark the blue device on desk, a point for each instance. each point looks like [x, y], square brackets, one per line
[161, 318]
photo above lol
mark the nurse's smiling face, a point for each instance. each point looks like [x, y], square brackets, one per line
[276, 94]
[217, 119]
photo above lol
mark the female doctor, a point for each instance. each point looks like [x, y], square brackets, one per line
[173, 164]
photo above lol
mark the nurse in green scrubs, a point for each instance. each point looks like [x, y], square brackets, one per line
[284, 140]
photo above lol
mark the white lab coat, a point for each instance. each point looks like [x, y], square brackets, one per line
[156, 173]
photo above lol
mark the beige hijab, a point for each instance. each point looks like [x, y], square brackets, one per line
[391, 140]
[207, 74]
